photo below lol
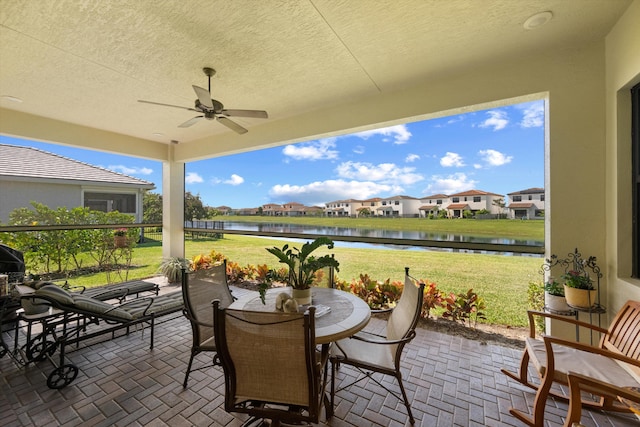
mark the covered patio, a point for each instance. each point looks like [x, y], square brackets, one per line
[451, 381]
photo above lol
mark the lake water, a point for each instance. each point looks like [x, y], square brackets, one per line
[373, 233]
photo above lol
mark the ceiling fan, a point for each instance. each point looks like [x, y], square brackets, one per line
[213, 109]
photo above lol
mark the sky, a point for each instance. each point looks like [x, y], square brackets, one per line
[500, 150]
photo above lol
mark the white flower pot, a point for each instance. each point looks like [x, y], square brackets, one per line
[302, 296]
[556, 303]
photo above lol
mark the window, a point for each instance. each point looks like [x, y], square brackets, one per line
[455, 199]
[439, 202]
[635, 150]
[542, 197]
[477, 199]
[397, 203]
[517, 198]
[107, 202]
[530, 197]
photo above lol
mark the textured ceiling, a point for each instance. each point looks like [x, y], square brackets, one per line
[88, 63]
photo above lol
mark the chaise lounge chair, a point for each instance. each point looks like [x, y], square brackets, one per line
[83, 311]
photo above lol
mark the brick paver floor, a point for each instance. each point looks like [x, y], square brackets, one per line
[450, 380]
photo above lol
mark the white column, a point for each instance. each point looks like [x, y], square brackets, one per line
[172, 207]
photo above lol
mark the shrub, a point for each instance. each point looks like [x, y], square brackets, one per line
[464, 307]
[433, 298]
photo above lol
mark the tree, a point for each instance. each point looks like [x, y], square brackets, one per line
[151, 207]
[193, 208]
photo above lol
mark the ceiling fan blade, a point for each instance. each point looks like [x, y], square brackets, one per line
[191, 122]
[167, 105]
[203, 96]
[232, 125]
[258, 114]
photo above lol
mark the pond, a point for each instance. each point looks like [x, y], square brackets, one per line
[368, 233]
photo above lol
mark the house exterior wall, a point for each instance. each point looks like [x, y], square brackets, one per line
[622, 73]
[20, 194]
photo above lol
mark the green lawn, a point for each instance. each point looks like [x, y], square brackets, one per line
[501, 280]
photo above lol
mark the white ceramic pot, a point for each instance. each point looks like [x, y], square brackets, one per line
[556, 303]
[302, 296]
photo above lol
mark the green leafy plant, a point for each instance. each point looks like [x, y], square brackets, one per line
[378, 295]
[172, 268]
[554, 288]
[578, 280]
[535, 300]
[433, 298]
[302, 265]
[464, 307]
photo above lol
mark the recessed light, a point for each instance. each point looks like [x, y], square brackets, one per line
[537, 20]
[11, 98]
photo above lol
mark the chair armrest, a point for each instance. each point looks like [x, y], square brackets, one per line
[378, 339]
[575, 395]
[626, 392]
[532, 327]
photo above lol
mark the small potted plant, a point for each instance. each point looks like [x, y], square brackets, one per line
[554, 299]
[303, 266]
[120, 237]
[172, 268]
[579, 290]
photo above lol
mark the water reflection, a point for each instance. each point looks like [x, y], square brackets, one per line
[373, 233]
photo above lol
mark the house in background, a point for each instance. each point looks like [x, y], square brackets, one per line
[399, 206]
[432, 204]
[473, 201]
[527, 203]
[28, 174]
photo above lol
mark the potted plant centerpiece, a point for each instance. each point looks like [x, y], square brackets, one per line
[579, 290]
[554, 299]
[303, 266]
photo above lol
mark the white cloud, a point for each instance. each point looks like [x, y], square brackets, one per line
[192, 178]
[449, 184]
[451, 160]
[494, 158]
[234, 180]
[497, 120]
[386, 173]
[130, 170]
[359, 149]
[412, 158]
[316, 150]
[399, 133]
[533, 115]
[320, 192]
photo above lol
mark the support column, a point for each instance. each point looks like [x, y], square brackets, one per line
[172, 207]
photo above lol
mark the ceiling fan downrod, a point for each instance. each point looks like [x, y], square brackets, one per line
[209, 72]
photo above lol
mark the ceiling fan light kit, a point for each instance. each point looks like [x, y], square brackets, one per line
[212, 109]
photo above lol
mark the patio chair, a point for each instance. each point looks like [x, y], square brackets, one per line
[376, 353]
[271, 367]
[199, 289]
[601, 370]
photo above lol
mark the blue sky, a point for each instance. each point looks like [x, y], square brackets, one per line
[500, 150]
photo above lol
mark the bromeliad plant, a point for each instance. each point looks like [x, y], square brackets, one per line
[302, 265]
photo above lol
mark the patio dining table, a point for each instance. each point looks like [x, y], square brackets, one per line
[347, 313]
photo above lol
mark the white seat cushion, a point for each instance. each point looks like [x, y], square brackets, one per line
[589, 364]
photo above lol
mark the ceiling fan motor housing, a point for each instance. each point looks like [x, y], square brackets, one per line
[217, 106]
